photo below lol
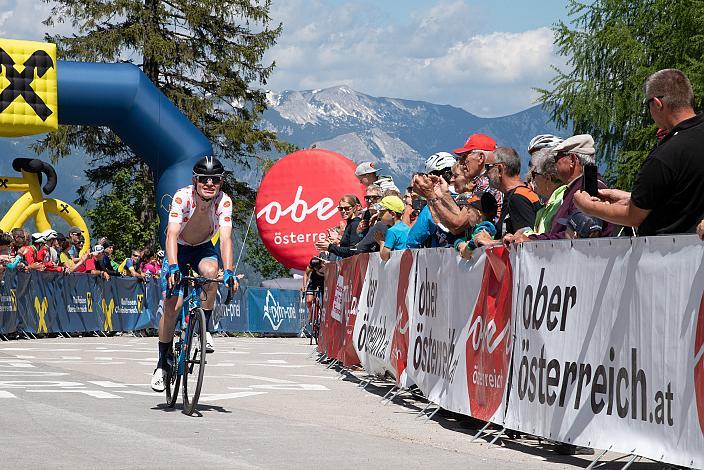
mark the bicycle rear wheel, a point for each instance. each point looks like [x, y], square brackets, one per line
[195, 360]
[173, 381]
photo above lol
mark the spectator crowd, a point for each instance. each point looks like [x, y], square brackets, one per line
[476, 195]
[55, 252]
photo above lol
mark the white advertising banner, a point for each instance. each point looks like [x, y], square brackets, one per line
[609, 344]
[446, 291]
[376, 314]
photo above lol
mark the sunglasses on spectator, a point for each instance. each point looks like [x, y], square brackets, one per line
[344, 208]
[135, 255]
[534, 173]
[203, 179]
[372, 198]
[559, 155]
[489, 166]
[647, 101]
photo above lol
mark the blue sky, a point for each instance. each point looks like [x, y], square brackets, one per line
[485, 57]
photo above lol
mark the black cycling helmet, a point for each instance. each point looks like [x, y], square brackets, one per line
[208, 165]
[316, 263]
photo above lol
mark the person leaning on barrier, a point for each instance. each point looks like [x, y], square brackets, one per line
[668, 194]
[485, 206]
[66, 260]
[349, 208]
[546, 183]
[372, 195]
[570, 157]
[390, 214]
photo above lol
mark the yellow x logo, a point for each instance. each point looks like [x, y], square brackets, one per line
[108, 309]
[41, 308]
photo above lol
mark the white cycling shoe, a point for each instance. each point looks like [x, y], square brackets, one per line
[209, 343]
[158, 380]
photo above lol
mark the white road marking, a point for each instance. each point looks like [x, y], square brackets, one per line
[276, 361]
[16, 363]
[107, 384]
[30, 373]
[307, 387]
[93, 393]
[37, 383]
[24, 357]
[139, 392]
[6, 394]
[285, 366]
[222, 364]
[227, 396]
[335, 377]
[261, 379]
[72, 358]
[285, 353]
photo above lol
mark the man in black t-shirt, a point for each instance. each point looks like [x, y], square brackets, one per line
[668, 194]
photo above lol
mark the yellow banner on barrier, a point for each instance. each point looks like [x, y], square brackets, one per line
[28, 88]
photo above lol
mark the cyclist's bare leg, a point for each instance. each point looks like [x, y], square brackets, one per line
[208, 267]
[172, 305]
[309, 306]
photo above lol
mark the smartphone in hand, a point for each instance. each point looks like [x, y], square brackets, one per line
[589, 180]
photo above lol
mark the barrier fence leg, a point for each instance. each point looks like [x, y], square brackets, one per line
[596, 460]
[480, 432]
[332, 364]
[32, 335]
[398, 392]
[430, 416]
[630, 462]
[501, 432]
[422, 412]
[389, 393]
[26, 336]
[4, 338]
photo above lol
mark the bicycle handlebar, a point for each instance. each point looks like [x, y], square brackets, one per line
[200, 281]
[33, 165]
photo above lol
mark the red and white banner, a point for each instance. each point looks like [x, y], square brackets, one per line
[297, 202]
[378, 334]
[446, 291]
[608, 349]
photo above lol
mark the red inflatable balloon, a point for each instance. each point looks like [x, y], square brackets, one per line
[297, 202]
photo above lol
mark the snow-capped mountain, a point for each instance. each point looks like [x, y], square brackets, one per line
[396, 134]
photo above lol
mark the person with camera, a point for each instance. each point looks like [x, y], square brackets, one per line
[570, 158]
[428, 230]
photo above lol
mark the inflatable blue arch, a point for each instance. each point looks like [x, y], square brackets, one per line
[40, 93]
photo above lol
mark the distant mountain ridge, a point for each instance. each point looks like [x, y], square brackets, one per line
[397, 134]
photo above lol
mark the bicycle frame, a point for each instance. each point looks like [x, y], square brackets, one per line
[33, 204]
[190, 301]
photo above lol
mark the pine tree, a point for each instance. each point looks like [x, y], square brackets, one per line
[205, 55]
[611, 47]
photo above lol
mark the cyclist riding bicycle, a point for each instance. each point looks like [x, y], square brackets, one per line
[313, 283]
[197, 212]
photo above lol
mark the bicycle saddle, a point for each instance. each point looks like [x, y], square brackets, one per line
[33, 165]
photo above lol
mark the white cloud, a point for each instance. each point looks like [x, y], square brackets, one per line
[433, 56]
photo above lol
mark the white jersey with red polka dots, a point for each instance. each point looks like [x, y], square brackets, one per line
[184, 204]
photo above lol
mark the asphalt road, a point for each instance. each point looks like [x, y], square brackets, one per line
[86, 403]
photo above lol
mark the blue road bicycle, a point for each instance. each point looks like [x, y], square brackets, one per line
[187, 363]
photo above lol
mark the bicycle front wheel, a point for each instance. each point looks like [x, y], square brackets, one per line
[195, 360]
[173, 380]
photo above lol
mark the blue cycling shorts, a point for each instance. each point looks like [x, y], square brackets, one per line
[189, 256]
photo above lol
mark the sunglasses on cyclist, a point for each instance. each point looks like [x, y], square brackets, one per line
[203, 179]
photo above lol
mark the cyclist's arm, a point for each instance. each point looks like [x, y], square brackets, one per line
[172, 232]
[226, 246]
[305, 278]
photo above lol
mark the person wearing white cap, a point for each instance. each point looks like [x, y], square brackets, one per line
[366, 173]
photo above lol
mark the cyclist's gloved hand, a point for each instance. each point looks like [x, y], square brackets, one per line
[174, 276]
[228, 278]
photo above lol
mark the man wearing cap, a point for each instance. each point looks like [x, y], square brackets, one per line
[570, 157]
[668, 194]
[474, 157]
[392, 208]
[366, 173]
[105, 262]
[89, 266]
[74, 234]
[425, 230]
